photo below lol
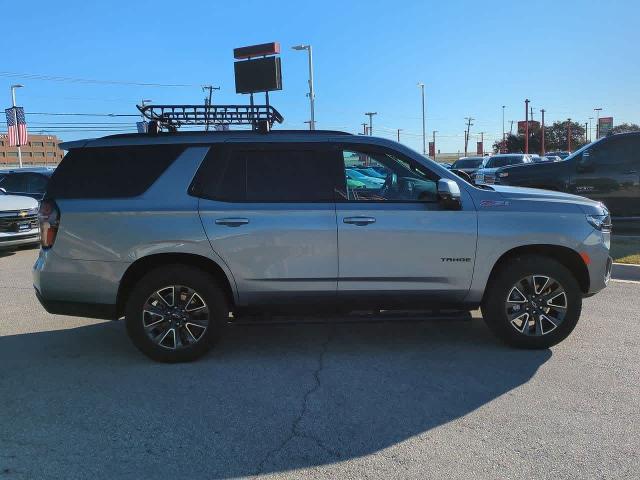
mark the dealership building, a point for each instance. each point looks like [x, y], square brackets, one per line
[39, 150]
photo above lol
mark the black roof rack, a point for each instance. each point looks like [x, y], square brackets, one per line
[172, 117]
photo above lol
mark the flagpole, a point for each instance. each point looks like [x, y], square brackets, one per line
[15, 119]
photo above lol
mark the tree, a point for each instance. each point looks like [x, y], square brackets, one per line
[626, 127]
[556, 136]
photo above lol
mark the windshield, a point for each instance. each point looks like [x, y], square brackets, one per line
[503, 161]
[467, 163]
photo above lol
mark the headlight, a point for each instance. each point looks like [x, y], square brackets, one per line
[600, 222]
[503, 174]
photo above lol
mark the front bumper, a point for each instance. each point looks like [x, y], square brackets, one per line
[28, 237]
[597, 246]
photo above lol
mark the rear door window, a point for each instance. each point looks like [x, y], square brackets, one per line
[111, 172]
[267, 173]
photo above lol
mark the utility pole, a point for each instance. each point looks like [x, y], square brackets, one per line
[424, 135]
[531, 109]
[208, 101]
[371, 114]
[569, 134]
[542, 147]
[466, 137]
[590, 137]
[434, 144]
[15, 120]
[526, 126]
[598, 110]
[399, 130]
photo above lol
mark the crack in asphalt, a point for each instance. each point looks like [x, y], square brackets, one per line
[294, 432]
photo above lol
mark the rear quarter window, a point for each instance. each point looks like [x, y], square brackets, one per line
[111, 172]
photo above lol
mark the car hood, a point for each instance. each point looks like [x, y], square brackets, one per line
[534, 194]
[16, 202]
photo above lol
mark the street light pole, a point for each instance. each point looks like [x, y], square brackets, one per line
[371, 114]
[503, 123]
[311, 94]
[15, 118]
[424, 128]
[542, 131]
[590, 136]
[569, 135]
[598, 110]
[399, 130]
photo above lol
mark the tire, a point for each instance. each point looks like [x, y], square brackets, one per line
[162, 301]
[539, 321]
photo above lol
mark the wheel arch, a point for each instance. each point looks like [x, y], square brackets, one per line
[142, 266]
[566, 256]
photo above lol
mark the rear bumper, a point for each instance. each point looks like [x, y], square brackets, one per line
[78, 309]
[77, 287]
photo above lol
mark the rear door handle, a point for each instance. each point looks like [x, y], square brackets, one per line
[232, 222]
[360, 221]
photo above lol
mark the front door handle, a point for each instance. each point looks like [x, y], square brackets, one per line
[232, 222]
[360, 221]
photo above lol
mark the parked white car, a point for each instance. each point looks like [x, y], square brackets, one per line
[18, 220]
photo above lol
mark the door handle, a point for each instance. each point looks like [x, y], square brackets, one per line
[232, 222]
[360, 221]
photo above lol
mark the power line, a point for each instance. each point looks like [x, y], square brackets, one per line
[56, 78]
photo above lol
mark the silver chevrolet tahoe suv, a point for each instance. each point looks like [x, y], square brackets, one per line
[175, 231]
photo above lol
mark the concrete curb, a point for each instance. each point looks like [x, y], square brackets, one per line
[622, 271]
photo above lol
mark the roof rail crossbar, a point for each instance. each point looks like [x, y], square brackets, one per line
[175, 116]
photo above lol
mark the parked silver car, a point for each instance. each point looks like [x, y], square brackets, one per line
[174, 231]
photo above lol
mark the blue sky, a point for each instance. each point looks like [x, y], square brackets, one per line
[567, 57]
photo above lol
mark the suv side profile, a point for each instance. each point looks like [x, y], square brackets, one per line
[176, 230]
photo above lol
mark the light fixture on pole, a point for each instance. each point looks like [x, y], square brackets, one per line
[424, 131]
[15, 117]
[311, 94]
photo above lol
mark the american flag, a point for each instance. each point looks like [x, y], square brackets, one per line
[16, 126]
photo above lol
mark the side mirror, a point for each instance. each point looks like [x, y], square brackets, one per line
[449, 194]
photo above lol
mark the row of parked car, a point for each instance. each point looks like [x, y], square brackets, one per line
[20, 193]
[607, 170]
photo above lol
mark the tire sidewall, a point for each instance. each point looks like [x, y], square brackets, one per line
[493, 308]
[194, 278]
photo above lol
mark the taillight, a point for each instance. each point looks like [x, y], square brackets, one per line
[49, 217]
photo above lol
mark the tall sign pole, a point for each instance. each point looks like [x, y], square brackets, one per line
[424, 128]
[526, 126]
[542, 147]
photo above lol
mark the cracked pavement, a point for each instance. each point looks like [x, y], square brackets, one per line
[383, 399]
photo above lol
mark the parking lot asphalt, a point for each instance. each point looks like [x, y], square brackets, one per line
[382, 399]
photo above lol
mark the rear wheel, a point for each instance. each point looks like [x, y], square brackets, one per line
[175, 313]
[534, 302]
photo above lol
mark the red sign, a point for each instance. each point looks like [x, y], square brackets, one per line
[532, 126]
[479, 148]
[432, 149]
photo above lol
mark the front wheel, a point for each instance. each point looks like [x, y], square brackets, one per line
[175, 313]
[534, 302]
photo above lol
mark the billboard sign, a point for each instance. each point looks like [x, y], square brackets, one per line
[432, 150]
[258, 75]
[533, 125]
[605, 124]
[479, 148]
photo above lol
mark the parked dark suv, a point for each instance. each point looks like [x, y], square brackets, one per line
[607, 170]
